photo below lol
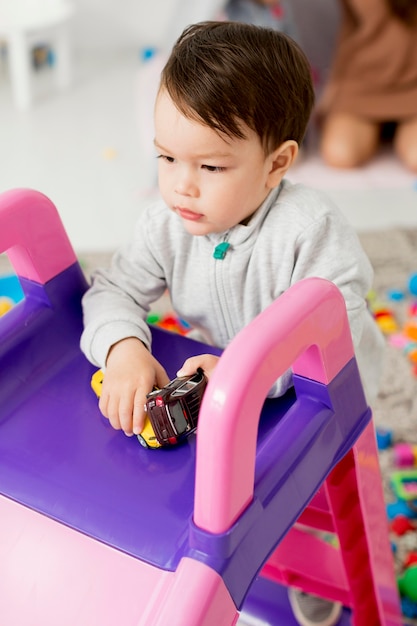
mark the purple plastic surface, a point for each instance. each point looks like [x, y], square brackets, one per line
[60, 457]
[39, 335]
[268, 603]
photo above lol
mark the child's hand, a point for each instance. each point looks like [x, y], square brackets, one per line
[207, 362]
[131, 373]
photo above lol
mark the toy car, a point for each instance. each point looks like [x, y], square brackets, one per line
[172, 412]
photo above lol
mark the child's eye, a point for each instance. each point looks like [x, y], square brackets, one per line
[213, 168]
[166, 158]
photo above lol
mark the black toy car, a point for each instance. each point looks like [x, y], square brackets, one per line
[173, 410]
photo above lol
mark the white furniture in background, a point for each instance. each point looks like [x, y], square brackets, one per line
[25, 24]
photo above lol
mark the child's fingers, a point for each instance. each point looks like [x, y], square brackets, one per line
[138, 413]
[126, 414]
[161, 377]
[190, 366]
[207, 362]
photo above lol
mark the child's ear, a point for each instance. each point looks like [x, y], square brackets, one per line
[280, 161]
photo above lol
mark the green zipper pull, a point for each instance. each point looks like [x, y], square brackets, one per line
[220, 250]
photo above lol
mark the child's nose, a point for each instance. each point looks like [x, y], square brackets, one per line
[185, 183]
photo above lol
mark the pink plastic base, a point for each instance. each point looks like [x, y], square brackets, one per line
[50, 574]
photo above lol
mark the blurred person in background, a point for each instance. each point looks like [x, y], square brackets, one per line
[371, 91]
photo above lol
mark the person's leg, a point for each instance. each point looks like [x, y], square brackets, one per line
[347, 141]
[310, 610]
[405, 143]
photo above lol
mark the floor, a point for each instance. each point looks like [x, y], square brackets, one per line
[84, 149]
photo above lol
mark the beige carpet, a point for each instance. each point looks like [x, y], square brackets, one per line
[394, 257]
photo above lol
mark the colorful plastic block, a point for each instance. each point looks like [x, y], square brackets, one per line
[407, 583]
[401, 525]
[383, 438]
[404, 455]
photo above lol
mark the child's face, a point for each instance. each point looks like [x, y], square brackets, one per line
[211, 181]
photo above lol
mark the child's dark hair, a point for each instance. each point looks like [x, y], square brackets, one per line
[226, 73]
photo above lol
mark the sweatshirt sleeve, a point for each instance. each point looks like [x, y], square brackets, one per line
[331, 249]
[328, 247]
[117, 303]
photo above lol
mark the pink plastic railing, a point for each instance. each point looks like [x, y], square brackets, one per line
[33, 235]
[280, 337]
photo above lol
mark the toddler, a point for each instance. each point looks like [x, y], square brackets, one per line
[230, 233]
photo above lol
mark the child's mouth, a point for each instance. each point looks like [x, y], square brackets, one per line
[186, 214]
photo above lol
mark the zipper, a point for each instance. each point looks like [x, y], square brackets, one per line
[220, 250]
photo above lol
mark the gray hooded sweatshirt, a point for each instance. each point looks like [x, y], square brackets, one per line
[296, 233]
